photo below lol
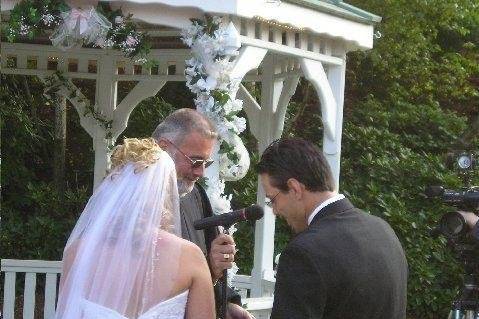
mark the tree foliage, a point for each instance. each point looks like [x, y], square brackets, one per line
[36, 220]
[409, 101]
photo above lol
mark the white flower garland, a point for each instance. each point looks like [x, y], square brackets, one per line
[100, 26]
[208, 76]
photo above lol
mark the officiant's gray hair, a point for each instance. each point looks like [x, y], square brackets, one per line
[176, 126]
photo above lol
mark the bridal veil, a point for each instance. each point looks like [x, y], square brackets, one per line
[120, 254]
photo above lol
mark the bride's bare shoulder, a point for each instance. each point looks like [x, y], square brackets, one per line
[192, 251]
[189, 250]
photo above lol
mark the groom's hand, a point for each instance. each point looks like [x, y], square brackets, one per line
[237, 312]
[222, 255]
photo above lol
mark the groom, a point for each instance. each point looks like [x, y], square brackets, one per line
[189, 138]
[342, 263]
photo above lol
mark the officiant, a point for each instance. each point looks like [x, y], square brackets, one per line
[189, 138]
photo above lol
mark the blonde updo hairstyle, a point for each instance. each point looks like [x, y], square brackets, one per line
[142, 152]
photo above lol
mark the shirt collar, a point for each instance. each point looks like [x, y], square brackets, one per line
[331, 200]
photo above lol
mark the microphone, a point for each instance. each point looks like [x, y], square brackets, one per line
[253, 212]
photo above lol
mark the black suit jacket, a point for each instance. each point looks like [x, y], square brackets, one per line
[194, 206]
[346, 265]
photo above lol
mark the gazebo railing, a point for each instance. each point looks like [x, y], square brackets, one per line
[50, 270]
[31, 268]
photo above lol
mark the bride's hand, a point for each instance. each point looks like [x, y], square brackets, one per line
[222, 255]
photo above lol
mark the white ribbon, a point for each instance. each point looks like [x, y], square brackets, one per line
[78, 20]
[80, 26]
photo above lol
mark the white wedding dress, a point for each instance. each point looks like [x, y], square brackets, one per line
[122, 258]
[173, 308]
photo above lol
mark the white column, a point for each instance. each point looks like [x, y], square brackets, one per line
[314, 72]
[330, 90]
[268, 126]
[106, 90]
[264, 231]
[101, 146]
[106, 105]
[332, 147]
[106, 95]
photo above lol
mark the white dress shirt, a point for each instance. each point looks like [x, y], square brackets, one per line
[331, 200]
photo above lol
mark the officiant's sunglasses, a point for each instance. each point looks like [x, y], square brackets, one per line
[195, 163]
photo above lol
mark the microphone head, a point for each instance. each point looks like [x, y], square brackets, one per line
[254, 212]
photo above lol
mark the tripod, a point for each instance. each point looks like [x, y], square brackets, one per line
[466, 306]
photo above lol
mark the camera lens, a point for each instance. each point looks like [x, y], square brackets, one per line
[453, 224]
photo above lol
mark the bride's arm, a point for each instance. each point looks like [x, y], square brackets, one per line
[69, 255]
[201, 300]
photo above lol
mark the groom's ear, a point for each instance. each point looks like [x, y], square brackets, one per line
[296, 187]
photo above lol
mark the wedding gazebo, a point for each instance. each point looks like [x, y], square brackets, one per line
[277, 42]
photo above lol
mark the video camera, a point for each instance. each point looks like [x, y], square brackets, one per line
[454, 227]
[452, 224]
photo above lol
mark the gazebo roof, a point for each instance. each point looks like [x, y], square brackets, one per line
[332, 19]
[339, 8]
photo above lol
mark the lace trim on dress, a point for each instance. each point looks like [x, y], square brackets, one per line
[173, 308]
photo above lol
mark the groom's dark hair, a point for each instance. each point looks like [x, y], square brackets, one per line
[182, 122]
[299, 159]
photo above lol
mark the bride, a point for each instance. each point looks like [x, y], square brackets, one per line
[124, 258]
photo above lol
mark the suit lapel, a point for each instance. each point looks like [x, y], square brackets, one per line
[191, 209]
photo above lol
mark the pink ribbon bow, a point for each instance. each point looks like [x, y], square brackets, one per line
[78, 19]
